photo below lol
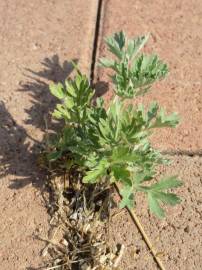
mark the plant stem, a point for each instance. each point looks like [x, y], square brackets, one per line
[143, 233]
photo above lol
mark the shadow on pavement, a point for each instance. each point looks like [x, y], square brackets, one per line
[18, 152]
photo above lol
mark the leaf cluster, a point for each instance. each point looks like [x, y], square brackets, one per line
[112, 144]
[135, 72]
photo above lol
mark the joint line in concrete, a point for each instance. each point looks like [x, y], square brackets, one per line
[95, 42]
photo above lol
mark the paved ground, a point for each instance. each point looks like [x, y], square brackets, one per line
[177, 238]
[38, 38]
[175, 28]
[177, 40]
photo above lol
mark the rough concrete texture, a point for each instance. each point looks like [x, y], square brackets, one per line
[177, 238]
[175, 28]
[38, 38]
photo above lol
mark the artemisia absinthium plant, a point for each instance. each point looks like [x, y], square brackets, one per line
[111, 144]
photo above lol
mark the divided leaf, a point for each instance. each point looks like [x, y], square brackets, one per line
[57, 90]
[115, 44]
[157, 196]
[76, 98]
[127, 197]
[134, 74]
[154, 206]
[168, 198]
[135, 45]
[120, 39]
[166, 183]
[163, 120]
[108, 63]
[97, 172]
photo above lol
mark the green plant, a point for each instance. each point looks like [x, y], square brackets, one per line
[111, 144]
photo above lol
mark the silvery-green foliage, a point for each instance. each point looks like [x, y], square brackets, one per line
[111, 144]
[134, 71]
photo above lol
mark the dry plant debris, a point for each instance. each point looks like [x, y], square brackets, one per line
[79, 224]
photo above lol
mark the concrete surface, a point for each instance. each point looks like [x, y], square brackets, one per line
[37, 39]
[177, 238]
[175, 28]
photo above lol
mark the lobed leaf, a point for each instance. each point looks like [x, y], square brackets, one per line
[154, 206]
[163, 120]
[57, 90]
[168, 198]
[96, 172]
[166, 183]
[135, 45]
[127, 197]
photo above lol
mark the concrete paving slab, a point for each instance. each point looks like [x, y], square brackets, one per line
[38, 39]
[175, 28]
[177, 238]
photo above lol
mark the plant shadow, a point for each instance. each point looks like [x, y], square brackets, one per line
[18, 151]
[38, 88]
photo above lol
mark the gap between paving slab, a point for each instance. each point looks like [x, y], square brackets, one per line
[95, 42]
[38, 38]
